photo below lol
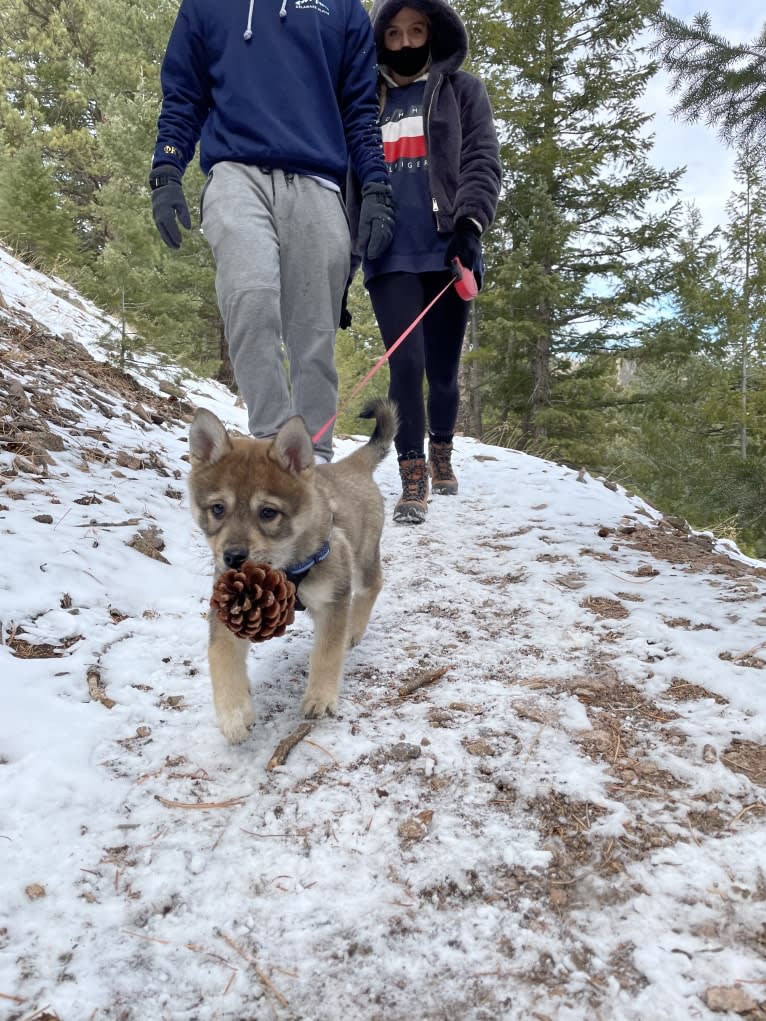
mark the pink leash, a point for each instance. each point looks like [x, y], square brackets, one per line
[465, 285]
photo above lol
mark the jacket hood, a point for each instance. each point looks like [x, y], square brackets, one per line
[448, 37]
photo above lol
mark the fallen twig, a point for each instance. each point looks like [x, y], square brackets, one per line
[300, 832]
[141, 935]
[286, 745]
[194, 949]
[420, 680]
[97, 688]
[109, 524]
[320, 748]
[42, 1015]
[756, 805]
[270, 987]
[229, 803]
[535, 739]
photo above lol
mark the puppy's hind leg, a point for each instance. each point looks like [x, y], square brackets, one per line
[227, 656]
[370, 584]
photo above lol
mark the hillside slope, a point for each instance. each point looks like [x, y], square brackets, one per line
[564, 821]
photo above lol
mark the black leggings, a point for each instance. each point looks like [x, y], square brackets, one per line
[431, 350]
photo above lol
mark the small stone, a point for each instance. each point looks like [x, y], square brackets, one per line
[558, 897]
[416, 827]
[479, 747]
[403, 752]
[125, 460]
[34, 891]
[646, 571]
[729, 998]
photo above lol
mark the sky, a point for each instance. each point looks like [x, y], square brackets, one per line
[708, 180]
[564, 822]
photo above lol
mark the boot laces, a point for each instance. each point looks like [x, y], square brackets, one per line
[414, 480]
[441, 460]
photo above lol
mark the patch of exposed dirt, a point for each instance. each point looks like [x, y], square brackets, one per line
[684, 691]
[747, 757]
[603, 607]
[33, 418]
[673, 541]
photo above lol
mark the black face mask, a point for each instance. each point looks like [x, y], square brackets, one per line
[407, 61]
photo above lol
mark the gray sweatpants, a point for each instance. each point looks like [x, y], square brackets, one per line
[282, 252]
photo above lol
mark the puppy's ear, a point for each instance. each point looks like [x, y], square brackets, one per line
[292, 448]
[208, 439]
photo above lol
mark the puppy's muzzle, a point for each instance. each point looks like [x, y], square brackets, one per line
[235, 556]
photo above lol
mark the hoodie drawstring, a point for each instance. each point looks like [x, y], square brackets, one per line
[249, 29]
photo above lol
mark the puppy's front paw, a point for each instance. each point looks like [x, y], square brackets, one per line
[235, 724]
[316, 704]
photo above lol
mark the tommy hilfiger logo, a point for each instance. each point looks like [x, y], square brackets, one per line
[312, 5]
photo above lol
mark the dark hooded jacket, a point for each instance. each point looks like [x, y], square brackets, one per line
[464, 169]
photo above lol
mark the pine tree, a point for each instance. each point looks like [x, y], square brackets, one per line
[692, 435]
[576, 252]
[46, 58]
[170, 295]
[746, 274]
[720, 82]
[32, 222]
[357, 350]
[77, 125]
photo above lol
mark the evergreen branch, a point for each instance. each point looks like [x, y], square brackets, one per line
[719, 82]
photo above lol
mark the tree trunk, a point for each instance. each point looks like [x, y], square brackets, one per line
[469, 380]
[745, 326]
[540, 398]
[540, 353]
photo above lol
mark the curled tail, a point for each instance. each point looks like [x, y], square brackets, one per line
[386, 417]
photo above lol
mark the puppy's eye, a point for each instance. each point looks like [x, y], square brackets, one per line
[217, 510]
[267, 513]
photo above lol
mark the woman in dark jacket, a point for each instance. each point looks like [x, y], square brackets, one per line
[442, 156]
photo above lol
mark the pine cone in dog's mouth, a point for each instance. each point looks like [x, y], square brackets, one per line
[254, 601]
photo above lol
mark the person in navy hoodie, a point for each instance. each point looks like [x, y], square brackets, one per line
[280, 95]
[443, 160]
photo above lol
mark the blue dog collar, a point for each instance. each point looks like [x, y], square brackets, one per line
[298, 572]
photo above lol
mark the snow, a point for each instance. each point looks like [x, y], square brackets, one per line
[571, 839]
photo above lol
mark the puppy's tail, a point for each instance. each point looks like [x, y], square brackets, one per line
[386, 417]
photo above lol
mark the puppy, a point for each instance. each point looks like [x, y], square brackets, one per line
[266, 501]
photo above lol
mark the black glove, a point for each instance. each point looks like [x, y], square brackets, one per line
[168, 202]
[376, 218]
[465, 244]
[345, 315]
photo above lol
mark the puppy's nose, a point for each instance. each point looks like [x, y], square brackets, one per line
[235, 556]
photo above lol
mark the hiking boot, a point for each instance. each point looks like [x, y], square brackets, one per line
[412, 506]
[443, 479]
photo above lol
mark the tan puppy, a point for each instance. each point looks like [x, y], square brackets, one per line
[266, 501]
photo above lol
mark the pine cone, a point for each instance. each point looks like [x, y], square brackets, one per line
[255, 601]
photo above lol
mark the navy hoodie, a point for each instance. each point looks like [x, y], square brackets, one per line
[287, 85]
